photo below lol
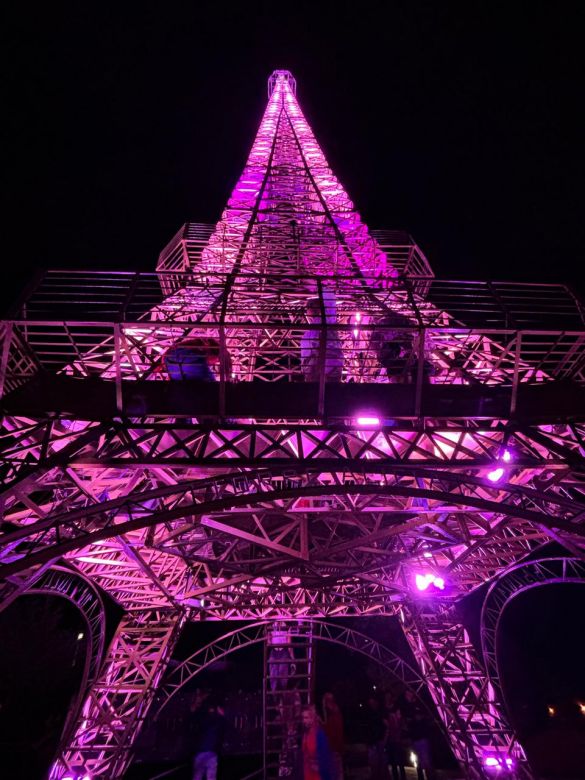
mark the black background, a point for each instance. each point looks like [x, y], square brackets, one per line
[458, 122]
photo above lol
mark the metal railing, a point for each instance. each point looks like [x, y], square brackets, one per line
[303, 329]
[121, 295]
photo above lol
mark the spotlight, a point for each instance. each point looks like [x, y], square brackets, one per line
[496, 474]
[413, 759]
[497, 762]
[367, 421]
[80, 636]
[423, 581]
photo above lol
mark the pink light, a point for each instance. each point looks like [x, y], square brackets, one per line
[506, 456]
[368, 421]
[495, 475]
[423, 581]
[498, 762]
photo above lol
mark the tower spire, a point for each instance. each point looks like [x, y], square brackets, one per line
[288, 211]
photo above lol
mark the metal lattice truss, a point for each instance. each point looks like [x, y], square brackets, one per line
[259, 494]
[517, 580]
[68, 584]
[119, 700]
[467, 702]
[469, 706]
[256, 633]
[279, 531]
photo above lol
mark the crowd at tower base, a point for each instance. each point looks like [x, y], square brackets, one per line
[392, 740]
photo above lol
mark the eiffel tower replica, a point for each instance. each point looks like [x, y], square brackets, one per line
[291, 418]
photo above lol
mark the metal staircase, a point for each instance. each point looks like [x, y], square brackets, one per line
[289, 670]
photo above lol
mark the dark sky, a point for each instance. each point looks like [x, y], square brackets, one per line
[458, 122]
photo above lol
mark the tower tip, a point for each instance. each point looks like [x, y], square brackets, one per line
[281, 75]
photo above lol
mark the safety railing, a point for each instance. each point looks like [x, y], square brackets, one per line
[295, 329]
[120, 295]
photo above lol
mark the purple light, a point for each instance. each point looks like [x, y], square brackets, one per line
[423, 581]
[496, 474]
[76, 777]
[367, 421]
[497, 762]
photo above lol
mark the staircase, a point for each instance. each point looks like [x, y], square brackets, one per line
[289, 668]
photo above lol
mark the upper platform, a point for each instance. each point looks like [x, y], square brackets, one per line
[97, 344]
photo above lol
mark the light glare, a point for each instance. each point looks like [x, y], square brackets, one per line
[366, 421]
[423, 581]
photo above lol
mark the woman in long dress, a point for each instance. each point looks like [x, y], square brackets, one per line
[316, 753]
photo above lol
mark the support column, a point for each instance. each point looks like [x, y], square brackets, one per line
[471, 713]
[119, 700]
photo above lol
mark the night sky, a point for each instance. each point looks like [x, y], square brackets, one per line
[457, 122]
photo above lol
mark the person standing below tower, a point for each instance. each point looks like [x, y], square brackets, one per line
[419, 729]
[281, 665]
[316, 753]
[376, 737]
[333, 728]
[210, 729]
[394, 750]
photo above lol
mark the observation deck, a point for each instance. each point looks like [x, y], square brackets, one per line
[93, 345]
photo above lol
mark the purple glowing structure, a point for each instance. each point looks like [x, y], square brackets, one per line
[289, 420]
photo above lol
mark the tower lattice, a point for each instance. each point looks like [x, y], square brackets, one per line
[291, 418]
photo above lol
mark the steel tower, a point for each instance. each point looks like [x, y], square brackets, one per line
[291, 418]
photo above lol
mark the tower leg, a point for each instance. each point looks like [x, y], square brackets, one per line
[117, 704]
[472, 716]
